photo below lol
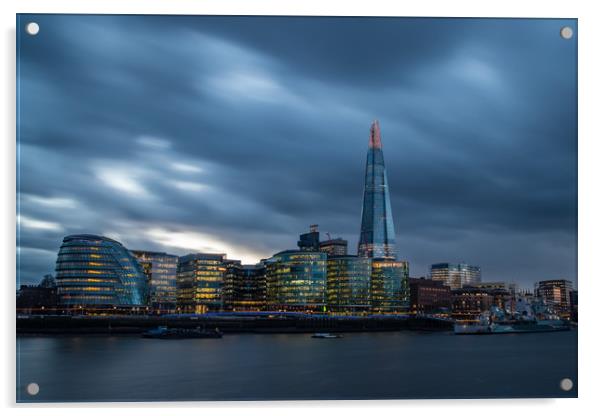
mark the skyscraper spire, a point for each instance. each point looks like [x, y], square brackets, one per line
[375, 135]
[377, 236]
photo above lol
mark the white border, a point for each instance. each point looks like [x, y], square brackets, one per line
[590, 206]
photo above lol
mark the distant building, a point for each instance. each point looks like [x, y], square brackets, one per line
[503, 293]
[389, 291]
[38, 299]
[96, 272]
[556, 294]
[456, 275]
[334, 247]
[348, 284]
[244, 287]
[296, 281]
[200, 279]
[310, 241]
[469, 302]
[429, 296]
[160, 270]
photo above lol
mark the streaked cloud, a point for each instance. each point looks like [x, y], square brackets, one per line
[37, 224]
[185, 167]
[153, 142]
[51, 202]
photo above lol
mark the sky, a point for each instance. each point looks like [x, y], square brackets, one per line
[234, 134]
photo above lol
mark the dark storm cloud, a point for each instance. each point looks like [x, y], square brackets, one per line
[233, 134]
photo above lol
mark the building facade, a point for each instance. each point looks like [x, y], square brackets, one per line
[389, 291]
[334, 247]
[97, 272]
[348, 284]
[469, 302]
[200, 280]
[377, 235]
[429, 296]
[244, 287]
[456, 276]
[160, 270]
[310, 241]
[296, 281]
[557, 295]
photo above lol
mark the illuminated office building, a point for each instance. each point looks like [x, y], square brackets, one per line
[296, 281]
[160, 270]
[389, 291]
[334, 247]
[200, 279]
[556, 294]
[348, 284]
[456, 276]
[377, 235]
[244, 287]
[95, 272]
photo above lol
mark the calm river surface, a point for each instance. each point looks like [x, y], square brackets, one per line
[385, 365]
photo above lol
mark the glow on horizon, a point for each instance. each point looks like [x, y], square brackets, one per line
[204, 243]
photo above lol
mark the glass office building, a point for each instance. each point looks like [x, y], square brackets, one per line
[95, 271]
[456, 276]
[200, 279]
[160, 270]
[377, 235]
[244, 287]
[389, 291]
[348, 284]
[296, 281]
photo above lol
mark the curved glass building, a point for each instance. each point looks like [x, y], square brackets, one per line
[296, 281]
[348, 284]
[92, 270]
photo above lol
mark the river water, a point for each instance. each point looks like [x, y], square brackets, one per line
[387, 365]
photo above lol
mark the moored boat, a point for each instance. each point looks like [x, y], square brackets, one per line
[163, 332]
[325, 335]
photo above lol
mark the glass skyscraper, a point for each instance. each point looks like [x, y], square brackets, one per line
[389, 291]
[377, 236]
[97, 271]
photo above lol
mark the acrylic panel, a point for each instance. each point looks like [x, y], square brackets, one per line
[295, 208]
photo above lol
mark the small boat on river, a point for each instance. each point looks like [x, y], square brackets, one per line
[163, 332]
[325, 335]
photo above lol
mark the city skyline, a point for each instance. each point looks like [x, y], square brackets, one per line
[140, 162]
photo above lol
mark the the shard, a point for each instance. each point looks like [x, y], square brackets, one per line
[377, 237]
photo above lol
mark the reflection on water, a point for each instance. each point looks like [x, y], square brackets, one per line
[295, 366]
